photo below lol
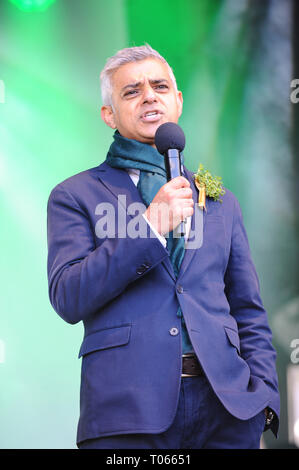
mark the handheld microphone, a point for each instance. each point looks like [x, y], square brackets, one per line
[170, 142]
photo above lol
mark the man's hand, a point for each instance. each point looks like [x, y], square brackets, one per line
[172, 204]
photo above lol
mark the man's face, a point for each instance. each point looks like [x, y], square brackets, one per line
[143, 97]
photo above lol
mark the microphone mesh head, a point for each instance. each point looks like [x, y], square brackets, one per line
[169, 136]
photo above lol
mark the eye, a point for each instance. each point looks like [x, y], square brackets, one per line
[130, 92]
[162, 87]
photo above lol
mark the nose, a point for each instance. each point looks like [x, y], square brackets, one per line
[149, 95]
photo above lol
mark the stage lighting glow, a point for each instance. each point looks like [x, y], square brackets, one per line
[32, 5]
[2, 92]
[2, 351]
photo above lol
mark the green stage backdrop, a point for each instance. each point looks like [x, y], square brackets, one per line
[233, 63]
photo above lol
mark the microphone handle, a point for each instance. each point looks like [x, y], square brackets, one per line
[173, 169]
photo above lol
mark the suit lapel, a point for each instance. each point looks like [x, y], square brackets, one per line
[119, 183]
[201, 217]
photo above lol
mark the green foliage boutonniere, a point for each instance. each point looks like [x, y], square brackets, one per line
[208, 186]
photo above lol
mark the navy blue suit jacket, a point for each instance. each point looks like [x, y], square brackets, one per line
[125, 292]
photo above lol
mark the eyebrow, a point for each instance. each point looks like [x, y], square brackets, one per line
[155, 81]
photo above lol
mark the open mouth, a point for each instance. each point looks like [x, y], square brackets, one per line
[151, 116]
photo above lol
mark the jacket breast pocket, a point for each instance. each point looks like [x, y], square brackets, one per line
[105, 339]
[214, 218]
[233, 338]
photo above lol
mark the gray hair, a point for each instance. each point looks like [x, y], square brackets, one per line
[124, 56]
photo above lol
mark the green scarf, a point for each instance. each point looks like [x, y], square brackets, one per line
[128, 153]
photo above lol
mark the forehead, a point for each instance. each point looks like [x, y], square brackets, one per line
[148, 69]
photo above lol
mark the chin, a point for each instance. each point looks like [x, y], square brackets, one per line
[150, 133]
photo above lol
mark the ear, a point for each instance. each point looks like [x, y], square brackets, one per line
[108, 116]
[180, 101]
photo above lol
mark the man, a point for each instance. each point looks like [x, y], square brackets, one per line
[177, 350]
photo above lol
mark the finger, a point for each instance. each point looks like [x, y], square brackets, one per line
[187, 203]
[184, 192]
[187, 212]
[179, 182]
[190, 211]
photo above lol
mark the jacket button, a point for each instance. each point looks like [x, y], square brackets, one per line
[180, 289]
[146, 265]
[143, 268]
[174, 331]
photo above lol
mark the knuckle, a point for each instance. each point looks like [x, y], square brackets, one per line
[189, 192]
[182, 180]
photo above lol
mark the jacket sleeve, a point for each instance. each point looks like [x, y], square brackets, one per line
[243, 294]
[82, 277]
